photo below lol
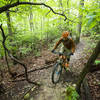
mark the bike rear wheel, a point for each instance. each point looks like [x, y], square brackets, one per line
[56, 74]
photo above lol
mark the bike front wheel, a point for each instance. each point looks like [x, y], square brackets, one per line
[56, 74]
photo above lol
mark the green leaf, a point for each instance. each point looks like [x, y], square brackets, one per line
[71, 93]
[97, 62]
[27, 96]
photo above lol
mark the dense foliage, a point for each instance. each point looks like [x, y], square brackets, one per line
[31, 28]
[71, 93]
[28, 25]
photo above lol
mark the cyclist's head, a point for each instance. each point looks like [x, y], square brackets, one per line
[65, 34]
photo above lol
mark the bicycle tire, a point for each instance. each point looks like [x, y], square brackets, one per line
[56, 71]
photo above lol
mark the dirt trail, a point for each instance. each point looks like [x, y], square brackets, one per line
[49, 91]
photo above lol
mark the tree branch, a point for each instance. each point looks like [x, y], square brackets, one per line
[1, 75]
[48, 12]
[95, 68]
[12, 10]
[5, 49]
[7, 7]
[13, 58]
[88, 66]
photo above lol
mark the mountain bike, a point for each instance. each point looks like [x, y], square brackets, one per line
[58, 66]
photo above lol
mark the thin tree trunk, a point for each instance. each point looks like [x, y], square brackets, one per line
[9, 22]
[13, 58]
[47, 34]
[31, 18]
[79, 26]
[31, 21]
[87, 68]
[68, 11]
[61, 10]
[42, 21]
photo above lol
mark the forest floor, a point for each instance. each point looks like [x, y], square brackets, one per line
[47, 91]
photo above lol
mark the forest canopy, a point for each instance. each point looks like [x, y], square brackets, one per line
[28, 27]
[46, 19]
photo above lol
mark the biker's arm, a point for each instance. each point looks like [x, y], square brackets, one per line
[57, 43]
[73, 46]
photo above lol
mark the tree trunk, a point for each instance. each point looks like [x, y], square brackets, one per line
[61, 11]
[87, 68]
[68, 11]
[31, 18]
[42, 21]
[9, 22]
[95, 68]
[79, 26]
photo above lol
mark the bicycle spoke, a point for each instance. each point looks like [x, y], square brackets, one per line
[56, 73]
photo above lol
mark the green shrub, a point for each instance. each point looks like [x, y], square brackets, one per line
[95, 36]
[1, 51]
[71, 93]
[97, 62]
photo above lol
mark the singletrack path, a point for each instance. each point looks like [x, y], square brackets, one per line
[49, 91]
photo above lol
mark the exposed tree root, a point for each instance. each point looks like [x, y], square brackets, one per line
[32, 70]
[13, 58]
[95, 68]
[88, 66]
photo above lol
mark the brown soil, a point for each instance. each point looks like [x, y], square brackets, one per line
[47, 90]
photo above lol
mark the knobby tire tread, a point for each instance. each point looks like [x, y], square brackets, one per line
[53, 73]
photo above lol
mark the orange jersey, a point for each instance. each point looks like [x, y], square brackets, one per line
[68, 43]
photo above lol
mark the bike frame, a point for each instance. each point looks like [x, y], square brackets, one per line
[62, 58]
[60, 64]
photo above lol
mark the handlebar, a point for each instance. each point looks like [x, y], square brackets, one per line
[58, 53]
[61, 53]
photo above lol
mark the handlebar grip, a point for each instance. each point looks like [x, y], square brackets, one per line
[59, 53]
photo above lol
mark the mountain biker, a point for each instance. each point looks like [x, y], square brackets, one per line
[68, 47]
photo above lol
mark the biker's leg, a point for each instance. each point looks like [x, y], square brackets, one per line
[67, 62]
[67, 58]
[64, 57]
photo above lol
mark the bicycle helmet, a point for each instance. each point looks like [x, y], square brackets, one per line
[65, 34]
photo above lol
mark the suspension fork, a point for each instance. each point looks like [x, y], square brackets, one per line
[62, 59]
